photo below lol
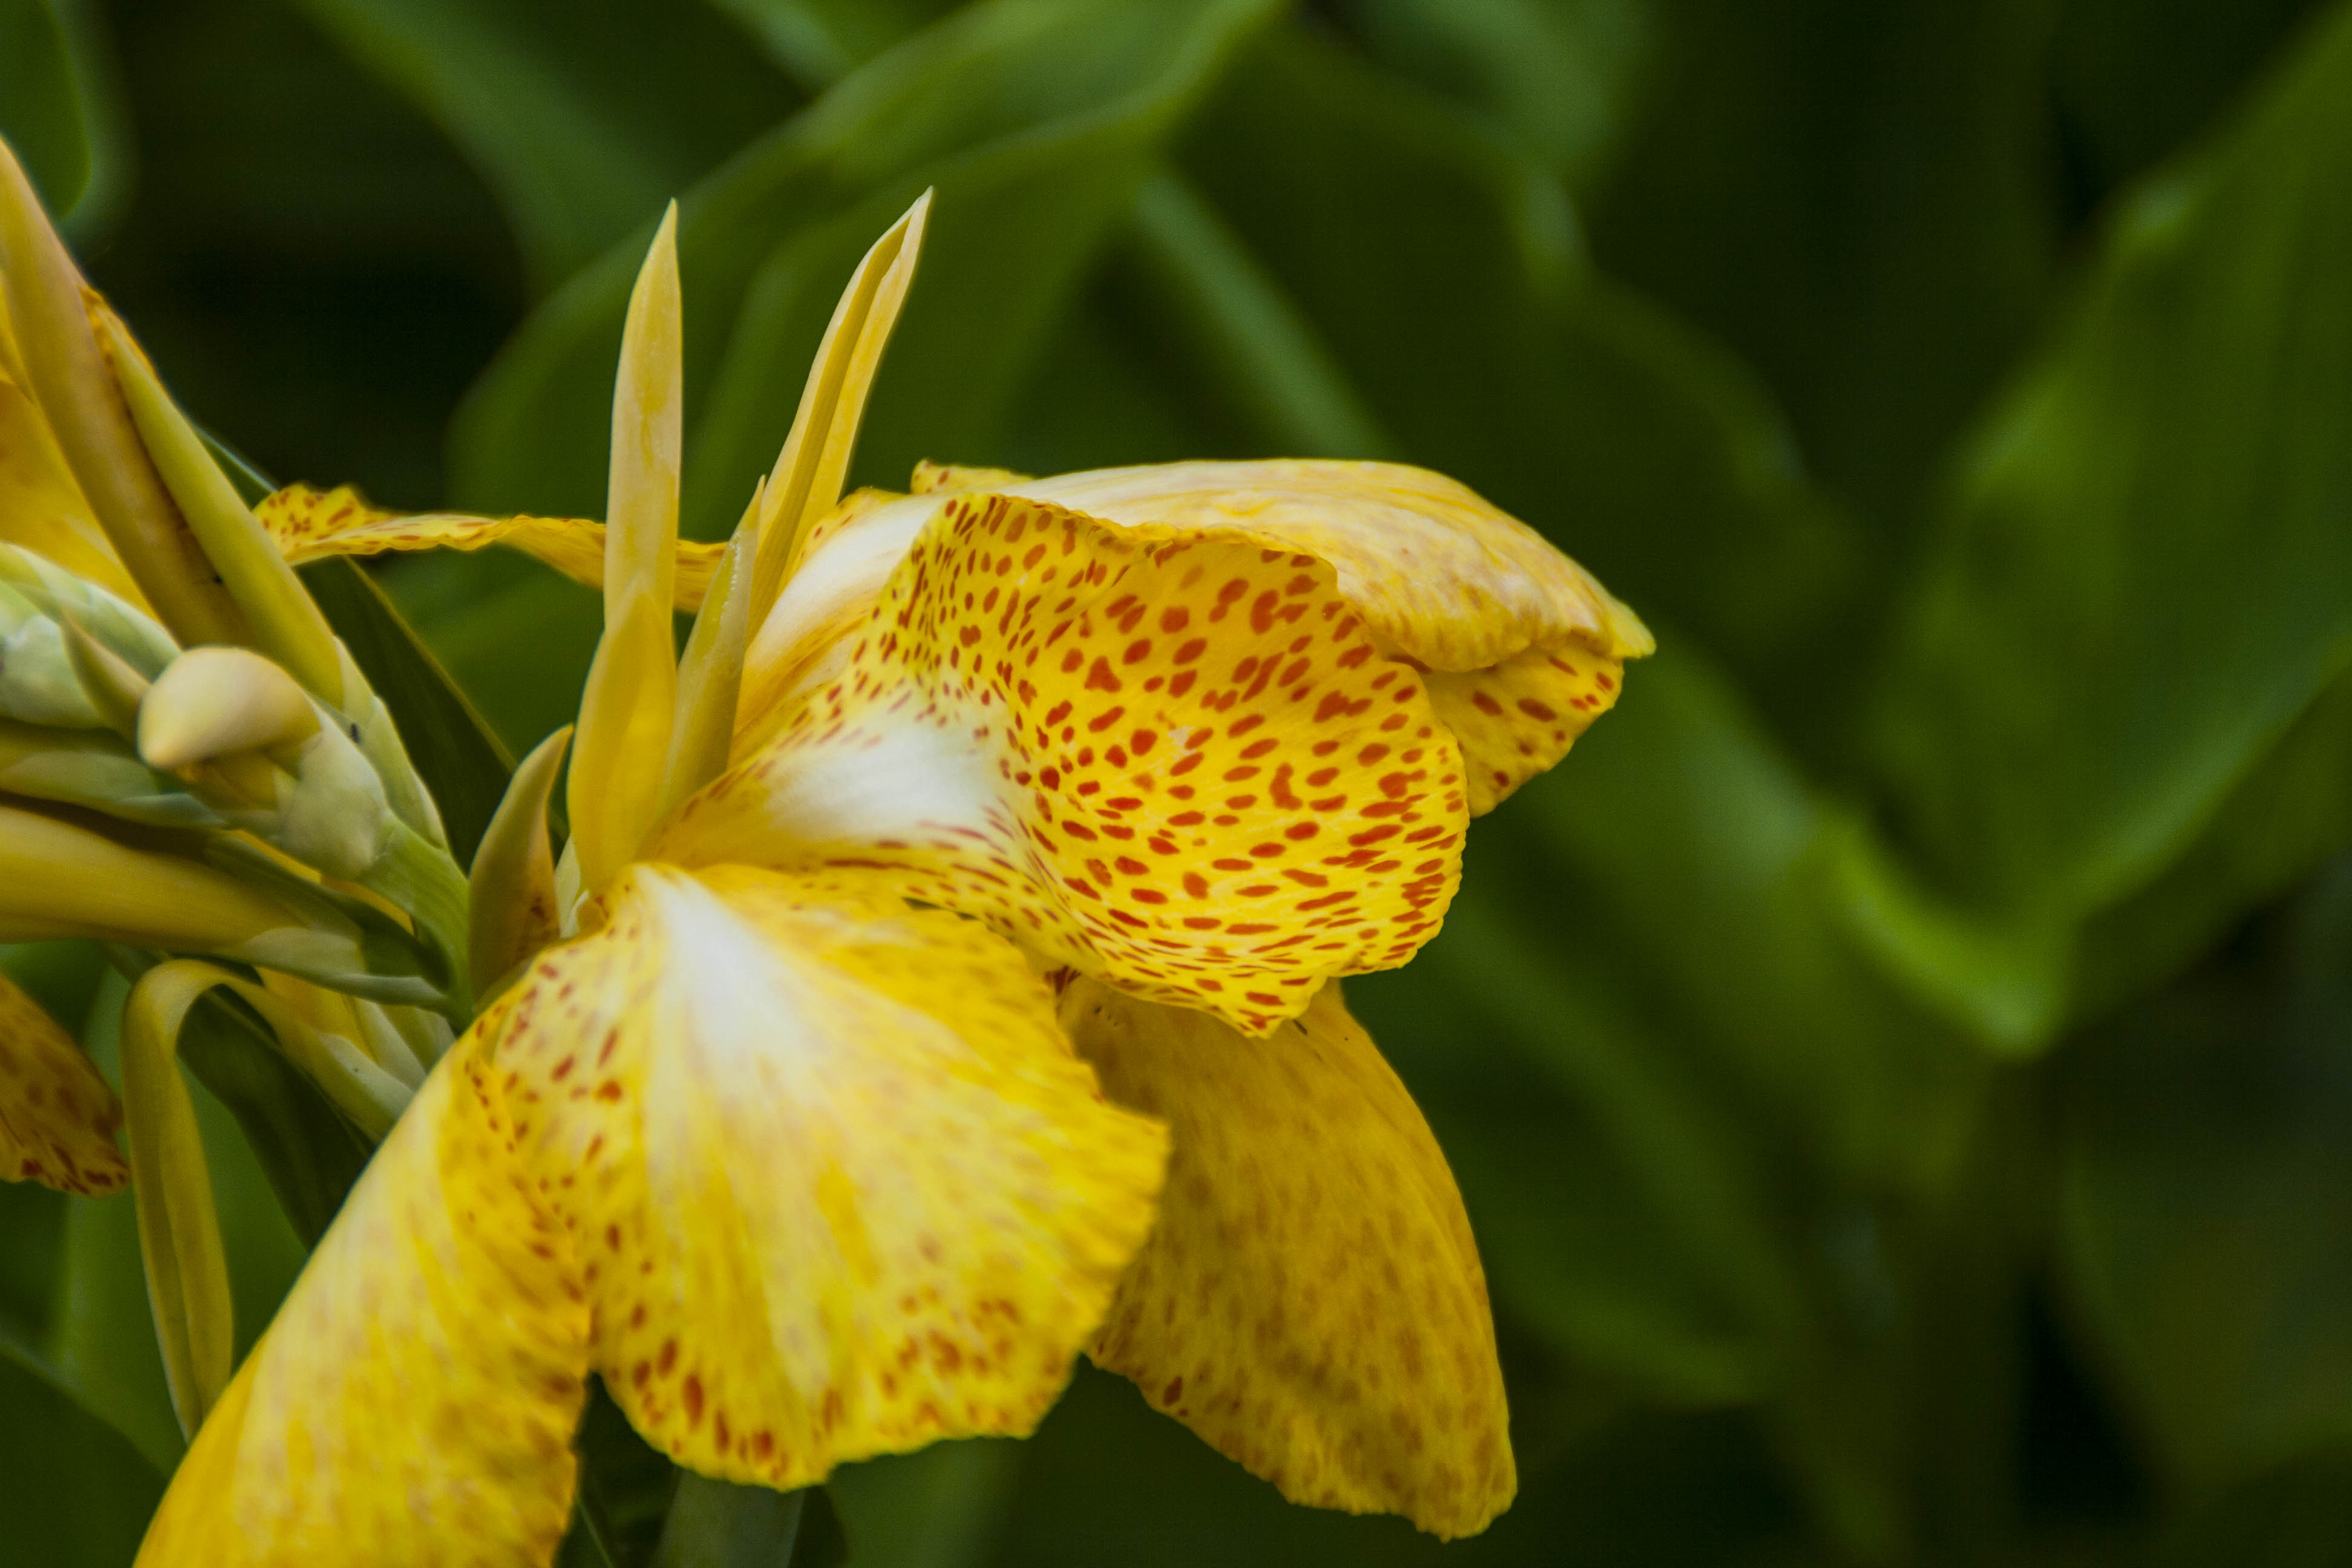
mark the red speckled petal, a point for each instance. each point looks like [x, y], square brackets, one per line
[1434, 568]
[1310, 1301]
[1181, 763]
[838, 1183]
[415, 1399]
[56, 1115]
[1517, 720]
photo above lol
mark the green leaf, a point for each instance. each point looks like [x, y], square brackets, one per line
[820, 41]
[941, 1507]
[459, 757]
[1561, 75]
[717, 1524]
[585, 120]
[75, 1492]
[1443, 275]
[1033, 119]
[1857, 199]
[57, 111]
[2144, 585]
[2205, 1199]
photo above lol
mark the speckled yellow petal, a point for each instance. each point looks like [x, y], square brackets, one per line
[805, 637]
[415, 1399]
[839, 1186]
[1434, 569]
[1310, 1301]
[57, 1116]
[1517, 719]
[310, 525]
[1180, 764]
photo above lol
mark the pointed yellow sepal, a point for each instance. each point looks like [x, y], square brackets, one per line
[625, 712]
[512, 889]
[806, 481]
[179, 1228]
[710, 675]
[68, 377]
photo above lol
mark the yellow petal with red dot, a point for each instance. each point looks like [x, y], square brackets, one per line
[1181, 763]
[1310, 1301]
[838, 1185]
[1517, 719]
[57, 1116]
[415, 1399]
[311, 525]
[1435, 570]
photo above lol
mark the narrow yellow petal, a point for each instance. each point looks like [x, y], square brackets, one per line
[625, 713]
[56, 1116]
[312, 525]
[807, 478]
[67, 376]
[41, 506]
[286, 622]
[711, 674]
[179, 1228]
[1310, 1301]
[1179, 763]
[512, 892]
[1433, 567]
[839, 1182]
[414, 1400]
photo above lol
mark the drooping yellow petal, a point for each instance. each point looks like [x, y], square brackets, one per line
[1178, 763]
[838, 1185]
[1433, 567]
[414, 1400]
[311, 525]
[57, 1116]
[1517, 719]
[627, 712]
[1310, 1301]
[807, 478]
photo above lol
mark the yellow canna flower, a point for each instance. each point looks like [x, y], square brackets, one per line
[986, 840]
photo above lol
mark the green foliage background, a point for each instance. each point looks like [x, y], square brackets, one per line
[1900, 1067]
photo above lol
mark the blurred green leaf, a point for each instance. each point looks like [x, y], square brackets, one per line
[1856, 197]
[941, 1507]
[1703, 861]
[57, 110]
[2136, 79]
[819, 41]
[2206, 1200]
[717, 1524]
[1034, 119]
[2144, 582]
[1444, 276]
[1562, 75]
[75, 1492]
[585, 119]
[2291, 1517]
